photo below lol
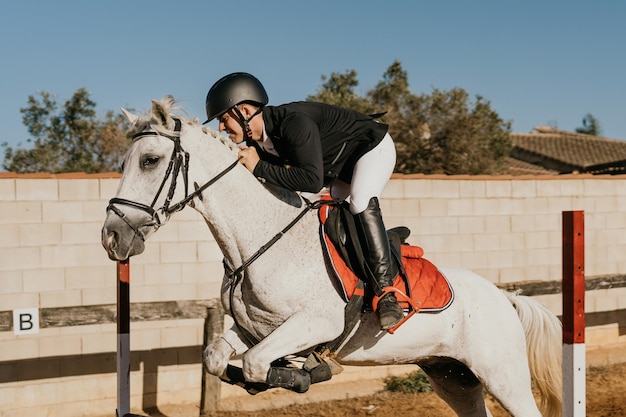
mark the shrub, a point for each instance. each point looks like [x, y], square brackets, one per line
[414, 382]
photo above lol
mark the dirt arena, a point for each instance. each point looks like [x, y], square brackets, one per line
[605, 398]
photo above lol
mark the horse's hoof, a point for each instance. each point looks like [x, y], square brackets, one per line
[389, 312]
[290, 378]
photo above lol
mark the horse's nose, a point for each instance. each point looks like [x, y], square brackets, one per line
[109, 240]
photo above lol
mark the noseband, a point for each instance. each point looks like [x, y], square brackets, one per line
[179, 161]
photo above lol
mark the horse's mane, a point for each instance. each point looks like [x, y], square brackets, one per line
[160, 119]
[168, 109]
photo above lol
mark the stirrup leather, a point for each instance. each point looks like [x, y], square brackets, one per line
[414, 308]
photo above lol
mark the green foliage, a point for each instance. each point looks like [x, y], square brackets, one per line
[68, 139]
[414, 382]
[441, 133]
[444, 132]
[338, 89]
[591, 126]
[457, 136]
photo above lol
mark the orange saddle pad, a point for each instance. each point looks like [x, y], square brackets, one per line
[429, 290]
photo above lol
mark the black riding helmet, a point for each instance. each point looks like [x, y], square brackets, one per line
[231, 90]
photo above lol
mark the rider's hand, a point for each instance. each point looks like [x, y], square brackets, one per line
[248, 157]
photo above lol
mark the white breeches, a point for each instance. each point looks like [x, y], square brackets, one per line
[370, 176]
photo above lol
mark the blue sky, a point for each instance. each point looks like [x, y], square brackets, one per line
[537, 62]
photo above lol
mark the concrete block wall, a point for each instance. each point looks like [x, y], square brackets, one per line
[508, 229]
[51, 253]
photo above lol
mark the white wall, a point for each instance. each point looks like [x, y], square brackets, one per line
[507, 229]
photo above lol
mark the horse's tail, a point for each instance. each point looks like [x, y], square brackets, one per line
[543, 332]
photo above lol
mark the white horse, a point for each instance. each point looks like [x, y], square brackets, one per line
[284, 301]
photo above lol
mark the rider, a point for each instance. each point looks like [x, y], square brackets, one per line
[304, 146]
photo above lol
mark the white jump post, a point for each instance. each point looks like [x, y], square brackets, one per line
[574, 364]
[123, 340]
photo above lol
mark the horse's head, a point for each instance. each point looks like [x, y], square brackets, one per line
[154, 174]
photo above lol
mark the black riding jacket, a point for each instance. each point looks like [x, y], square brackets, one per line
[316, 143]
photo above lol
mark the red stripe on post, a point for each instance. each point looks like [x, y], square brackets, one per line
[573, 277]
[123, 271]
[123, 297]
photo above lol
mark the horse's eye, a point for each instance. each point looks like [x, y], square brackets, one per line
[150, 161]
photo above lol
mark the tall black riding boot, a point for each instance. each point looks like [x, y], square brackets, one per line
[380, 263]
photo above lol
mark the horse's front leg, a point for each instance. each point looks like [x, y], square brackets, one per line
[298, 333]
[231, 343]
[217, 354]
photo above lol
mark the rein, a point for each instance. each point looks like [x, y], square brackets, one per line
[237, 273]
[179, 160]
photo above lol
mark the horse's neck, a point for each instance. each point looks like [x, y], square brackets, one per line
[241, 214]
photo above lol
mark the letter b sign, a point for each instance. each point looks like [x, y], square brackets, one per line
[26, 321]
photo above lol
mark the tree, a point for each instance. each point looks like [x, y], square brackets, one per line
[441, 133]
[338, 90]
[464, 137]
[70, 139]
[591, 126]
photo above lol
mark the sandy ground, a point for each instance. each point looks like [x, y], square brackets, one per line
[366, 398]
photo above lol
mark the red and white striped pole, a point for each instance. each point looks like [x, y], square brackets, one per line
[123, 338]
[574, 364]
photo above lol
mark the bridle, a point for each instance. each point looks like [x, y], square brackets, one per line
[179, 161]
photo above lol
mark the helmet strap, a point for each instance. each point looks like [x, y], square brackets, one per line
[245, 123]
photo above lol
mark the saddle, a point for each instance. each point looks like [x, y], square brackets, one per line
[419, 285]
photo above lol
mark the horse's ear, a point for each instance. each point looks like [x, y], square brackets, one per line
[160, 112]
[130, 116]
